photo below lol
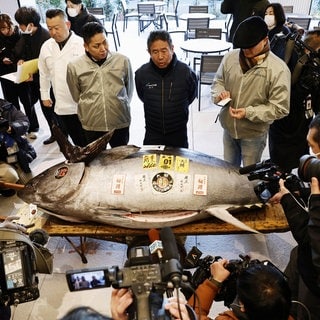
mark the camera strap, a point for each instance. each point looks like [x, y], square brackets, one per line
[43, 257]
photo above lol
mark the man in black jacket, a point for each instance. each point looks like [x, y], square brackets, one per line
[14, 149]
[167, 87]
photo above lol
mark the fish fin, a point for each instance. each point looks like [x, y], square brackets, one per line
[80, 154]
[224, 215]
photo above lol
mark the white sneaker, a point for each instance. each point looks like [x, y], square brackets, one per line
[32, 135]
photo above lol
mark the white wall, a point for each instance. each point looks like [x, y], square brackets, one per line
[299, 6]
[10, 6]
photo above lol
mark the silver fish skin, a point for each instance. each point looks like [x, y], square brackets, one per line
[132, 187]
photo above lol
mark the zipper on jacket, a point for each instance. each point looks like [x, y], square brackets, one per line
[162, 105]
[236, 106]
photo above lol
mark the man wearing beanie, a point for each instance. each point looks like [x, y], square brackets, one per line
[78, 15]
[258, 84]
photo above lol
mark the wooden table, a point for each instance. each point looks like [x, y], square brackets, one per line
[269, 219]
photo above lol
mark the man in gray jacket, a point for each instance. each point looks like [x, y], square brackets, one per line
[258, 84]
[101, 82]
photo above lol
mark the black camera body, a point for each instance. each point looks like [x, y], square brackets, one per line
[148, 280]
[228, 290]
[18, 281]
[269, 175]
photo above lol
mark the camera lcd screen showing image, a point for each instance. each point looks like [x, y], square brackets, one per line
[85, 280]
[13, 268]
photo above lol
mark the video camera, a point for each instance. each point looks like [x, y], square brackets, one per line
[20, 260]
[146, 278]
[228, 290]
[270, 174]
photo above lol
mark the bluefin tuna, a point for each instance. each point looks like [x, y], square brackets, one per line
[133, 187]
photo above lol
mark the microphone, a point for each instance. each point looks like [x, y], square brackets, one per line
[255, 166]
[171, 268]
[156, 243]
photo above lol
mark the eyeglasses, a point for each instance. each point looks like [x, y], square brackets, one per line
[5, 28]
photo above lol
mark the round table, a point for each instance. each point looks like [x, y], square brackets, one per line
[186, 16]
[205, 45]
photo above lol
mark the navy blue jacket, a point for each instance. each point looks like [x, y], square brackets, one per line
[166, 95]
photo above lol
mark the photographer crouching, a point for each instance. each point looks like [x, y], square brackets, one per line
[262, 293]
[15, 151]
[303, 269]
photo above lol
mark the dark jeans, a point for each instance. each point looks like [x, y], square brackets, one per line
[72, 126]
[120, 136]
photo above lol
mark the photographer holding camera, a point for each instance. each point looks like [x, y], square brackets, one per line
[14, 149]
[262, 293]
[303, 269]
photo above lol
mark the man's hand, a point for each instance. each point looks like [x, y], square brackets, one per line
[173, 306]
[121, 299]
[47, 103]
[237, 113]
[218, 270]
[315, 186]
[278, 196]
[9, 224]
[224, 95]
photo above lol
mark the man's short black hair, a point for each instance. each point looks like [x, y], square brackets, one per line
[52, 13]
[26, 15]
[315, 124]
[90, 29]
[159, 35]
[264, 292]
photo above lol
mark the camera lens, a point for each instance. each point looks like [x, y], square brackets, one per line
[309, 167]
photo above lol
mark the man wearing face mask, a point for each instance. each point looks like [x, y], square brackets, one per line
[78, 15]
[303, 269]
[28, 48]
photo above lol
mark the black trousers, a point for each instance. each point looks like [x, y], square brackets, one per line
[72, 127]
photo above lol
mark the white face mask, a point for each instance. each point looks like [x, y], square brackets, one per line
[270, 20]
[72, 12]
[28, 29]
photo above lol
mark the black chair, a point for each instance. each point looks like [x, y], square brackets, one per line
[98, 13]
[147, 16]
[114, 31]
[193, 24]
[227, 25]
[212, 33]
[174, 14]
[128, 14]
[208, 67]
[302, 22]
[198, 9]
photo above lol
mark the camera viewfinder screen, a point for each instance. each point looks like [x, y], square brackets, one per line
[13, 268]
[87, 280]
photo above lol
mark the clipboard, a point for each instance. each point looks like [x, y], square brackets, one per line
[23, 71]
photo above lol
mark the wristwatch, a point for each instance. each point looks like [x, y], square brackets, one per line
[215, 282]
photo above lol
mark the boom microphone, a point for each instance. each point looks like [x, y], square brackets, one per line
[255, 166]
[156, 244]
[171, 268]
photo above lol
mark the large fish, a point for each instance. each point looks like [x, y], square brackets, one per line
[136, 187]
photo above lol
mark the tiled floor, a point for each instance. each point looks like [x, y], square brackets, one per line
[205, 136]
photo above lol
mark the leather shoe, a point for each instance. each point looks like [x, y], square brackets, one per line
[51, 139]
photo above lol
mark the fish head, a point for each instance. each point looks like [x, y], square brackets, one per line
[55, 184]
